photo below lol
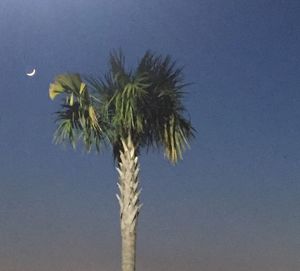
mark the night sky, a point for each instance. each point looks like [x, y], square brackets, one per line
[232, 204]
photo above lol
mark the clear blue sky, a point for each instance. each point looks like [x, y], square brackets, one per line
[232, 204]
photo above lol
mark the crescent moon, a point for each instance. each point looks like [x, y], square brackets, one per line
[31, 73]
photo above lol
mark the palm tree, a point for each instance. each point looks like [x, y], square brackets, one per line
[128, 110]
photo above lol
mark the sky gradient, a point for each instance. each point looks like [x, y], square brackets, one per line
[232, 204]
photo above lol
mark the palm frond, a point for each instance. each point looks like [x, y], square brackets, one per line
[163, 109]
[77, 118]
[175, 137]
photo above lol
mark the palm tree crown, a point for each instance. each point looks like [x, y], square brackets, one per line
[144, 103]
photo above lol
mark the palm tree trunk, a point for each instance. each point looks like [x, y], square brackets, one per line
[129, 202]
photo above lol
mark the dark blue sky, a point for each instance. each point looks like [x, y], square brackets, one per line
[232, 204]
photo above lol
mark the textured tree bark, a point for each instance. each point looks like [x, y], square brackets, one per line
[129, 202]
